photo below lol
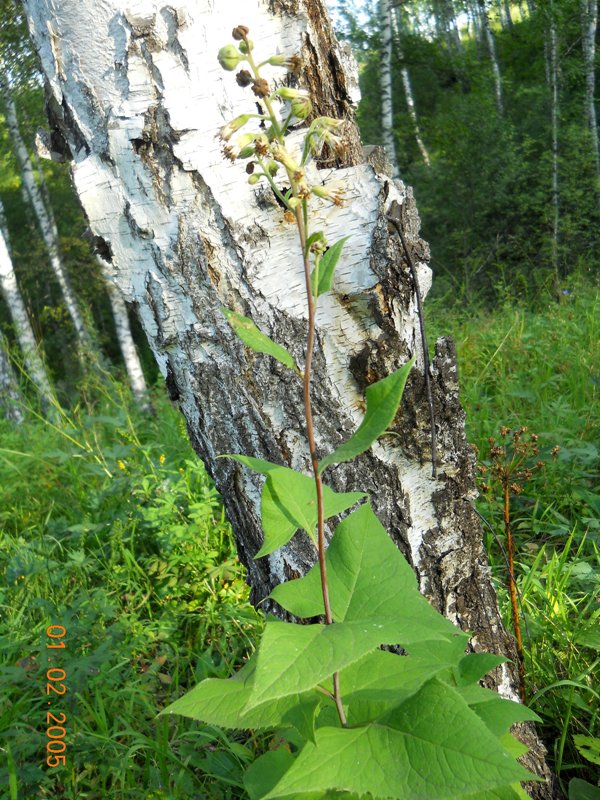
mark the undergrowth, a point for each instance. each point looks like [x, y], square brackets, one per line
[538, 369]
[111, 527]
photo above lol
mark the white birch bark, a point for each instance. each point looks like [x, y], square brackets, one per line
[589, 25]
[138, 97]
[45, 221]
[11, 401]
[491, 45]
[23, 330]
[408, 92]
[387, 103]
[131, 359]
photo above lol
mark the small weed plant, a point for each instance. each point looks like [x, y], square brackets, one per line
[348, 718]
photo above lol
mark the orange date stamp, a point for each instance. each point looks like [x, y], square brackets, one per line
[55, 688]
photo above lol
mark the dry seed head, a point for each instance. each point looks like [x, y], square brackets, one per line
[240, 32]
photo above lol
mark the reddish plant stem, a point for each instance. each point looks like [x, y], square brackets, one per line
[313, 452]
[510, 549]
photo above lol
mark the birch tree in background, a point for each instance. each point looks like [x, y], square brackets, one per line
[387, 104]
[131, 358]
[406, 82]
[11, 400]
[589, 25]
[554, 117]
[138, 97]
[23, 330]
[46, 223]
[491, 46]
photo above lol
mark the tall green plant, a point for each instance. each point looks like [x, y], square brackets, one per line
[350, 718]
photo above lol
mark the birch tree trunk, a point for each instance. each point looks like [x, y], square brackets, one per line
[408, 92]
[387, 104]
[491, 45]
[11, 401]
[133, 365]
[589, 25]
[137, 94]
[24, 332]
[45, 220]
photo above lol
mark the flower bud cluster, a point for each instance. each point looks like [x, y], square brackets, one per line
[267, 146]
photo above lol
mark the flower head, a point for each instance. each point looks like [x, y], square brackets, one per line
[229, 57]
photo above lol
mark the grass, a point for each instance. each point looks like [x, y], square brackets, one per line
[539, 369]
[111, 528]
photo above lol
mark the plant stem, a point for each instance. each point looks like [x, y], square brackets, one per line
[513, 590]
[301, 222]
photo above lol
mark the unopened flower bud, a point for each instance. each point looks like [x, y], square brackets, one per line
[243, 147]
[272, 168]
[254, 178]
[294, 202]
[229, 57]
[278, 61]
[301, 107]
[287, 93]
[240, 32]
[246, 46]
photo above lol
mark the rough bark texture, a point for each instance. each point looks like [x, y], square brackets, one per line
[137, 96]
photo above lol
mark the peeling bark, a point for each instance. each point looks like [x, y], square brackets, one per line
[589, 25]
[138, 97]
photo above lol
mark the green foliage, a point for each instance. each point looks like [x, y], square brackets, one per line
[410, 717]
[112, 528]
[538, 367]
[382, 399]
[252, 337]
[326, 268]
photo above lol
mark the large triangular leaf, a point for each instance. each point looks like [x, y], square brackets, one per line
[475, 665]
[222, 702]
[295, 658]
[433, 746]
[383, 399]
[258, 341]
[498, 713]
[369, 579]
[289, 502]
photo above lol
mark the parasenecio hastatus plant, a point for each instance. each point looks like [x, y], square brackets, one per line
[349, 719]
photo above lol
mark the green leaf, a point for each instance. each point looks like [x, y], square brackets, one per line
[582, 790]
[223, 702]
[498, 713]
[433, 745]
[383, 399]
[293, 659]
[255, 464]
[327, 267]
[252, 337]
[475, 665]
[266, 771]
[289, 502]
[588, 747]
[369, 579]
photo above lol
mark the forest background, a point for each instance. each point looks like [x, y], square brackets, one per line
[107, 520]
